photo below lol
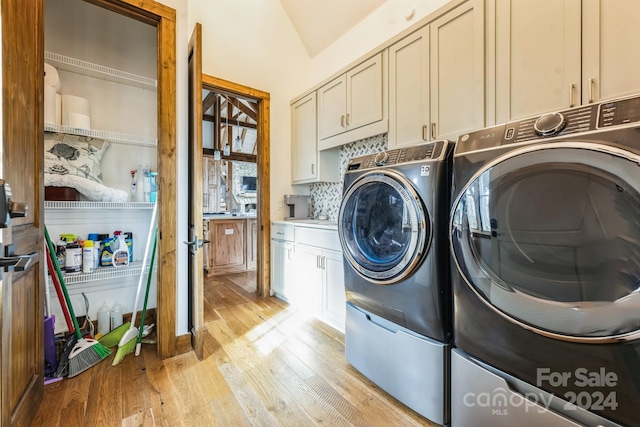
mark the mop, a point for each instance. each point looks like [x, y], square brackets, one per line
[128, 342]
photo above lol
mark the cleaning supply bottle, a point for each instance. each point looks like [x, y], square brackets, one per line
[116, 315]
[87, 256]
[139, 196]
[104, 319]
[121, 252]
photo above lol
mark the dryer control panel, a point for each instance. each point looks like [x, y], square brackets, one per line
[400, 155]
[586, 118]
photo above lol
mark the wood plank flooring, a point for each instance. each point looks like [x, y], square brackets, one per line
[265, 364]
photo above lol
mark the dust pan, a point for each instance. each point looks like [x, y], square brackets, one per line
[111, 339]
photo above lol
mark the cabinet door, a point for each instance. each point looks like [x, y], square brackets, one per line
[334, 308]
[537, 57]
[278, 262]
[409, 89]
[307, 279]
[252, 244]
[364, 93]
[457, 71]
[227, 246]
[332, 105]
[303, 139]
[610, 66]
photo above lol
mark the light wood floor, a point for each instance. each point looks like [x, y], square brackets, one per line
[265, 365]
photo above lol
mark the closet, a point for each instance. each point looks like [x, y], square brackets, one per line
[101, 126]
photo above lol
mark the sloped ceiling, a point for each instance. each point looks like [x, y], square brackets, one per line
[321, 22]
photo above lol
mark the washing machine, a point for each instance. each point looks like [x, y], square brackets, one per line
[545, 245]
[393, 229]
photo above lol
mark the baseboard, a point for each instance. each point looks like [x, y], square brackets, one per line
[183, 344]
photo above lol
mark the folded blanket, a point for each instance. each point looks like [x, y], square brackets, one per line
[90, 189]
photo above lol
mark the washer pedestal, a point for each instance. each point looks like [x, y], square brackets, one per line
[410, 367]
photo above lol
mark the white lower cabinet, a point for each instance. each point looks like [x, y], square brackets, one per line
[308, 272]
[319, 281]
[282, 269]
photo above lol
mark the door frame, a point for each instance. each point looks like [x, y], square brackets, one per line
[263, 99]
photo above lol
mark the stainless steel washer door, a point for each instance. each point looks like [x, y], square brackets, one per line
[382, 226]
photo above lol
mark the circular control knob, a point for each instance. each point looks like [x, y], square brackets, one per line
[381, 158]
[550, 124]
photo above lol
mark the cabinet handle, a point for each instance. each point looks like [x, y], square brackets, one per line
[317, 261]
[313, 169]
[342, 120]
[433, 130]
[591, 82]
[324, 259]
[424, 133]
[348, 121]
[572, 86]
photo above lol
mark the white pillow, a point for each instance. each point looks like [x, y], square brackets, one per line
[74, 155]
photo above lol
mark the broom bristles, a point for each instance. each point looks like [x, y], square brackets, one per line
[85, 354]
[123, 350]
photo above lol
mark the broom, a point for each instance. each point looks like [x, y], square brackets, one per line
[86, 352]
[128, 341]
[146, 295]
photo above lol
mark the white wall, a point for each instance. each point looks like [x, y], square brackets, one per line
[384, 23]
[253, 43]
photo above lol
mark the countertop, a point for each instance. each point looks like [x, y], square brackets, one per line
[228, 216]
[316, 223]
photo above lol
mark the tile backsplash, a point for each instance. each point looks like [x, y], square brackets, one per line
[326, 196]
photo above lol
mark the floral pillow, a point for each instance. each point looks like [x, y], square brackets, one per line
[74, 155]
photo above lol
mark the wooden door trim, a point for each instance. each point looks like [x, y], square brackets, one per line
[264, 167]
[164, 19]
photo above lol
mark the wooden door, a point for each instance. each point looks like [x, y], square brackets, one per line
[457, 71]
[409, 115]
[610, 63]
[22, 356]
[196, 262]
[537, 57]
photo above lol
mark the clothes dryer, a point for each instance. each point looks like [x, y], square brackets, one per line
[545, 244]
[393, 230]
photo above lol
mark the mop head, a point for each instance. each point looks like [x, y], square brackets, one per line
[127, 345]
[111, 339]
[86, 353]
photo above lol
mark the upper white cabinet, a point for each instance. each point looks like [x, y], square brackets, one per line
[437, 78]
[409, 93]
[354, 105]
[553, 54]
[609, 66]
[308, 165]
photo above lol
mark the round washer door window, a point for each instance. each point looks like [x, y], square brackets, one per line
[550, 238]
[382, 227]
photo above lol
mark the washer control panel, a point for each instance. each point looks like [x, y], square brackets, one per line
[399, 155]
[585, 118]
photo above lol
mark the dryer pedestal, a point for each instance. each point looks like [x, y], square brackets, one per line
[483, 396]
[410, 367]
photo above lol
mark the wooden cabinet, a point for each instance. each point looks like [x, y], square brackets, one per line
[232, 245]
[552, 54]
[353, 106]
[308, 165]
[437, 78]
